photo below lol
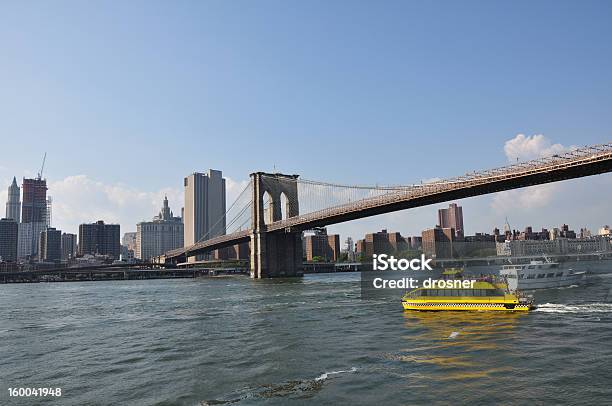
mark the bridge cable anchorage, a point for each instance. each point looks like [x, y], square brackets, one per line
[324, 203]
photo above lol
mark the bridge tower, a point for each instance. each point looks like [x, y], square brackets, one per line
[276, 254]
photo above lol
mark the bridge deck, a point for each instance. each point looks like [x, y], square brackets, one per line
[575, 164]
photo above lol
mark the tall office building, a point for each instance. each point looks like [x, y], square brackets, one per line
[49, 212]
[204, 214]
[33, 216]
[50, 245]
[34, 205]
[452, 218]
[8, 240]
[28, 239]
[99, 238]
[156, 237]
[13, 204]
[69, 246]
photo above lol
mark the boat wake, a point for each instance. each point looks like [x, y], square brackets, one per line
[326, 375]
[574, 308]
[291, 389]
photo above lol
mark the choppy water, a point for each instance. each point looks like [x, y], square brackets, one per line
[311, 340]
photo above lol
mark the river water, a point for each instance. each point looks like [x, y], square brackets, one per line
[232, 340]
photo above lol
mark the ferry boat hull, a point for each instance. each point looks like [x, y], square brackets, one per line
[541, 275]
[486, 295]
[470, 307]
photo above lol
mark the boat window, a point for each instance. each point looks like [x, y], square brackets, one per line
[424, 293]
[531, 267]
[560, 273]
[550, 275]
[531, 276]
[541, 275]
[454, 292]
[521, 276]
[554, 266]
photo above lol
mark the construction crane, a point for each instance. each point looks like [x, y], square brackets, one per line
[42, 168]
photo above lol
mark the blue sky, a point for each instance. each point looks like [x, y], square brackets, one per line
[132, 96]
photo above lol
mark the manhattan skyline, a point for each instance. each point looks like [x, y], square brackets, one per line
[125, 114]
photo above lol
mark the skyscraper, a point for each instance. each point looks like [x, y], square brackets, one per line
[34, 206]
[8, 240]
[99, 238]
[204, 215]
[452, 218]
[28, 239]
[33, 216]
[13, 204]
[50, 245]
[69, 246]
[156, 237]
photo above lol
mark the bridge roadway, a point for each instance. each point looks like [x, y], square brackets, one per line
[582, 162]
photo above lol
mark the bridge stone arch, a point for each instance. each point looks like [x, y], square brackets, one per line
[275, 185]
[278, 253]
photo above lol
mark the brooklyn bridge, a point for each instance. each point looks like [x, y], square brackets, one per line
[274, 209]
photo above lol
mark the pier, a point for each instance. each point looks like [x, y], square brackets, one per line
[113, 274]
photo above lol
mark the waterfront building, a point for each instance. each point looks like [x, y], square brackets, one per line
[381, 242]
[438, 242]
[452, 218]
[50, 245]
[560, 245]
[8, 240]
[529, 234]
[129, 240]
[479, 244]
[566, 232]
[415, 242]
[204, 212]
[69, 246]
[127, 254]
[99, 238]
[13, 204]
[34, 205]
[28, 239]
[323, 246]
[164, 233]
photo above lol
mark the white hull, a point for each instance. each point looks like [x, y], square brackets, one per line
[547, 283]
[540, 275]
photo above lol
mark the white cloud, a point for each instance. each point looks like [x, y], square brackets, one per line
[531, 198]
[532, 147]
[80, 199]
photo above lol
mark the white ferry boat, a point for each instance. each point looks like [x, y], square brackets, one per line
[540, 275]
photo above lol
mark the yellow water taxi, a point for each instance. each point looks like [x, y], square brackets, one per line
[484, 294]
